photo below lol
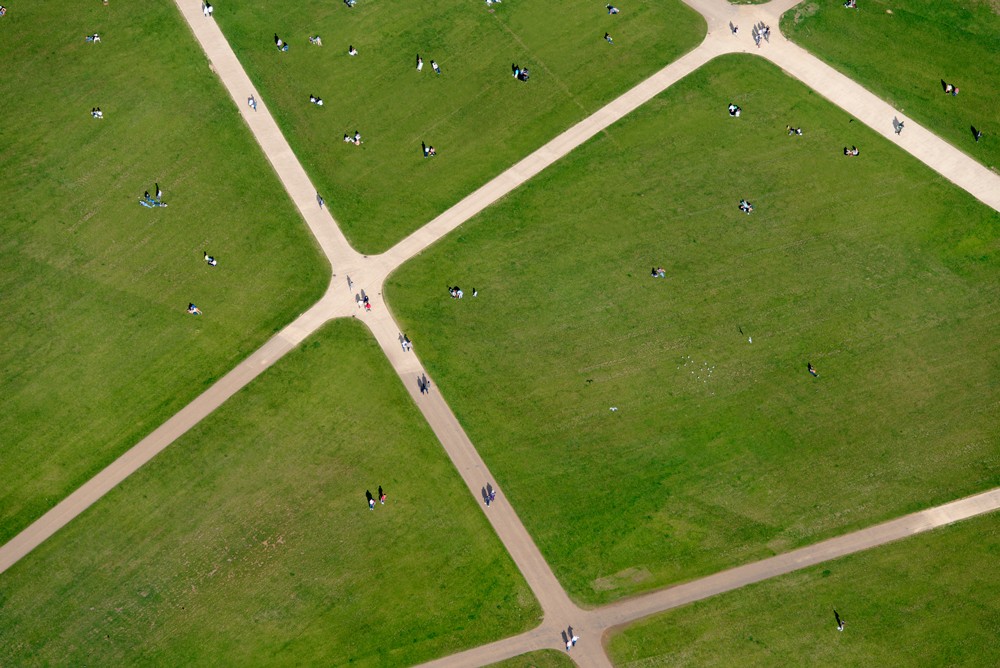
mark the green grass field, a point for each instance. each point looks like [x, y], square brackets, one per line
[930, 600]
[249, 541]
[543, 659]
[98, 349]
[478, 117]
[902, 51]
[721, 451]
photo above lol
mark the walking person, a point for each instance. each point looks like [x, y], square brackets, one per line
[371, 500]
[840, 622]
[491, 492]
[319, 200]
[252, 102]
[381, 495]
[573, 638]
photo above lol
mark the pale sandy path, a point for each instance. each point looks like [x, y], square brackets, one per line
[602, 619]
[369, 274]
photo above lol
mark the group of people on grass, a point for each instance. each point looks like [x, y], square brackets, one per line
[371, 499]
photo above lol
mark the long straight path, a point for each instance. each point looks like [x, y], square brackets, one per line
[369, 274]
[600, 620]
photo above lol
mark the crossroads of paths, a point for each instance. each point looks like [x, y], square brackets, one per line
[369, 273]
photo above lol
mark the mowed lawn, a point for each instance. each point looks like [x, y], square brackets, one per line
[476, 115]
[643, 437]
[98, 349]
[929, 600]
[249, 541]
[902, 50]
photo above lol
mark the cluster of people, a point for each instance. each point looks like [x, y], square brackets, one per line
[490, 3]
[93, 39]
[434, 65]
[318, 101]
[455, 292]
[658, 272]
[153, 202]
[570, 638]
[207, 8]
[761, 30]
[734, 110]
[356, 139]
[612, 9]
[746, 207]
[192, 309]
[316, 40]
[851, 4]
[405, 342]
[350, 3]
[949, 89]
[371, 499]
[210, 261]
[428, 151]
[96, 112]
[520, 73]
[280, 43]
[489, 494]
[793, 131]
[851, 151]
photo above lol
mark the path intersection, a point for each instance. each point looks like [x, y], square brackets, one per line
[368, 273]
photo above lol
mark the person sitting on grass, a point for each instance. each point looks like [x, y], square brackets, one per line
[607, 38]
[351, 51]
[524, 74]
[350, 3]
[734, 111]
[851, 4]
[746, 207]
[612, 10]
[280, 43]
[3, 10]
[194, 310]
